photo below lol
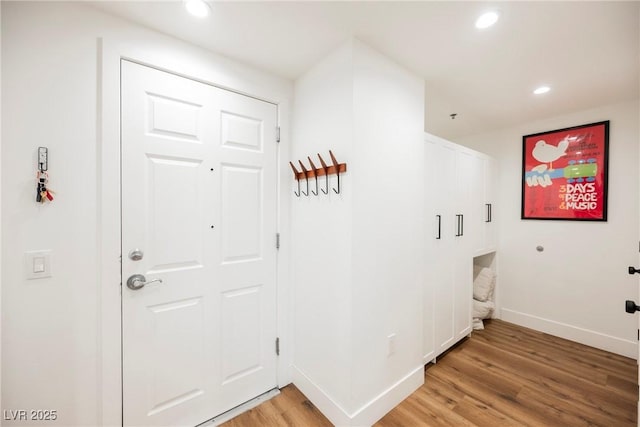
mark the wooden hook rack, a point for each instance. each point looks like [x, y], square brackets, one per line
[314, 172]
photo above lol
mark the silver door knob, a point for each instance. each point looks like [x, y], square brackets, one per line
[138, 281]
[136, 255]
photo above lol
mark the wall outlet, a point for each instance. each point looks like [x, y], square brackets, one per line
[391, 344]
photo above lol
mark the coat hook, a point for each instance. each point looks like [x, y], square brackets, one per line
[306, 177]
[326, 174]
[337, 166]
[315, 175]
[295, 175]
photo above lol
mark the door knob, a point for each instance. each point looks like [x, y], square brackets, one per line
[138, 281]
[136, 255]
[631, 307]
[633, 270]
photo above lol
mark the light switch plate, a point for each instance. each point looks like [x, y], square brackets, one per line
[391, 343]
[37, 264]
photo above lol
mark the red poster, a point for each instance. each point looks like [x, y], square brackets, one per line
[564, 173]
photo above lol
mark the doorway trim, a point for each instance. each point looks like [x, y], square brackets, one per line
[182, 59]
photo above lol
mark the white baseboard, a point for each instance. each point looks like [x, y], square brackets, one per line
[573, 333]
[388, 399]
[325, 404]
[369, 413]
[429, 357]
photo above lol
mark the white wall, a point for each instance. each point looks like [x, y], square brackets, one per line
[0, 207]
[576, 288]
[358, 271]
[321, 227]
[49, 325]
[53, 338]
[388, 244]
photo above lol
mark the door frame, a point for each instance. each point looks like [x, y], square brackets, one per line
[179, 58]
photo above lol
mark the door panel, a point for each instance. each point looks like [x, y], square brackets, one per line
[241, 213]
[241, 333]
[175, 118]
[174, 198]
[248, 259]
[241, 132]
[177, 342]
[198, 199]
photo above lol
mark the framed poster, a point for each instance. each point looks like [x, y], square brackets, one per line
[564, 173]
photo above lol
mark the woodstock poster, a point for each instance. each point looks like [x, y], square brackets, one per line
[564, 173]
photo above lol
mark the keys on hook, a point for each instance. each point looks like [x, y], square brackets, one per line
[42, 192]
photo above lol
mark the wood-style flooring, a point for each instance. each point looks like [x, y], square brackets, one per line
[505, 375]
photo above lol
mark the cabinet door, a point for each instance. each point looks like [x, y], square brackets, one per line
[466, 197]
[489, 218]
[483, 211]
[467, 171]
[440, 323]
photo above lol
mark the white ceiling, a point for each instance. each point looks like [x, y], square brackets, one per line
[588, 52]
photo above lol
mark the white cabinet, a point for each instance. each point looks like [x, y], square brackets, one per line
[442, 225]
[467, 171]
[487, 238]
[456, 194]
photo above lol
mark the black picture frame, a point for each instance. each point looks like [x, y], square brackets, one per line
[573, 189]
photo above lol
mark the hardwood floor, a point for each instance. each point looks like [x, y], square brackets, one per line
[505, 375]
[289, 408]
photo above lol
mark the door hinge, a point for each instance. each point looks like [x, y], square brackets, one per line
[277, 240]
[277, 346]
[278, 134]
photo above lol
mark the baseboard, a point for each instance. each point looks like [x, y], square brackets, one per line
[367, 414]
[325, 404]
[573, 333]
[429, 357]
[388, 399]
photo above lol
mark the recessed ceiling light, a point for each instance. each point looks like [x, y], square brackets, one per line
[542, 89]
[198, 8]
[487, 19]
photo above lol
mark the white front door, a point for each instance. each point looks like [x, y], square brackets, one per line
[199, 207]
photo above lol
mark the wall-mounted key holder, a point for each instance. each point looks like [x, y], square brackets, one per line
[43, 159]
[43, 193]
[315, 172]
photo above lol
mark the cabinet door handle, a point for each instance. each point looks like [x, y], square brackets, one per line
[488, 205]
[459, 225]
[439, 227]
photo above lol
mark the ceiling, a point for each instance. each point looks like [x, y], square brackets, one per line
[587, 52]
